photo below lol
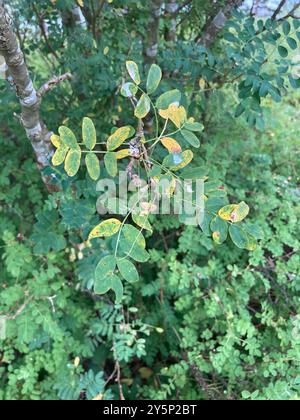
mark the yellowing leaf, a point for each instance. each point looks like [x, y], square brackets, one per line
[133, 71]
[72, 162]
[235, 213]
[119, 137]
[55, 140]
[99, 397]
[171, 189]
[106, 229]
[240, 213]
[175, 113]
[202, 84]
[68, 138]
[171, 145]
[77, 362]
[89, 135]
[146, 373]
[93, 166]
[154, 78]
[129, 90]
[121, 154]
[187, 157]
[142, 221]
[111, 164]
[143, 107]
[226, 212]
[60, 155]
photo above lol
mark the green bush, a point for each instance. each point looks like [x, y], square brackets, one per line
[203, 320]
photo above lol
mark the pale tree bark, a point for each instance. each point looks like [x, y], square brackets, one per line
[30, 100]
[79, 17]
[172, 8]
[217, 21]
[152, 37]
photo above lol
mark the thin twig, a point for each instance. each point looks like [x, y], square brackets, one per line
[118, 380]
[51, 84]
[19, 311]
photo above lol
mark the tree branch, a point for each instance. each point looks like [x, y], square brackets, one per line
[292, 12]
[151, 45]
[217, 22]
[172, 8]
[52, 83]
[19, 311]
[278, 10]
[30, 101]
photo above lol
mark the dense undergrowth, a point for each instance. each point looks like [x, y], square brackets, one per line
[205, 320]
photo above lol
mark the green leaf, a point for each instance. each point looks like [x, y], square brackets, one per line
[154, 78]
[105, 267]
[191, 138]
[239, 110]
[143, 107]
[117, 287]
[133, 244]
[93, 166]
[133, 71]
[129, 90]
[106, 229]
[89, 135]
[292, 43]
[142, 222]
[239, 236]
[220, 230]
[254, 230]
[286, 27]
[68, 138]
[128, 271]
[195, 173]
[264, 89]
[111, 164]
[283, 52]
[246, 395]
[119, 137]
[102, 285]
[295, 83]
[168, 98]
[48, 233]
[194, 126]
[72, 162]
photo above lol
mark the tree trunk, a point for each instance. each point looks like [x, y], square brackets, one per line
[152, 38]
[217, 22]
[172, 8]
[78, 17]
[30, 100]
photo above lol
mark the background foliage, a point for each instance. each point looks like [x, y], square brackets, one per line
[204, 321]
